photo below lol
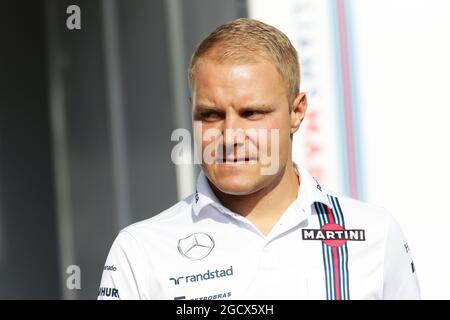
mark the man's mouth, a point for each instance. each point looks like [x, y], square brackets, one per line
[239, 160]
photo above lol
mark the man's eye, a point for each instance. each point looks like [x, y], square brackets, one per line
[253, 114]
[210, 116]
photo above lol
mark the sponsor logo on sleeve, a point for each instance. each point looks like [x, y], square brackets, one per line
[108, 292]
[406, 247]
[109, 268]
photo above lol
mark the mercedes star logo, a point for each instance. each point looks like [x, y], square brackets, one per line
[196, 246]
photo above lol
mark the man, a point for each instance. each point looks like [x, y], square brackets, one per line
[258, 226]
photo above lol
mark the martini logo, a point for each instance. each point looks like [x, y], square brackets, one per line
[334, 235]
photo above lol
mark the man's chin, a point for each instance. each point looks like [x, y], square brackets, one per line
[238, 186]
[235, 179]
[234, 190]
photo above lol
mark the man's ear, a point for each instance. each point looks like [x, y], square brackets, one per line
[298, 111]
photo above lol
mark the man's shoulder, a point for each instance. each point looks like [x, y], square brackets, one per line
[377, 221]
[178, 214]
[360, 210]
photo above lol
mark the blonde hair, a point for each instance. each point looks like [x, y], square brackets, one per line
[244, 41]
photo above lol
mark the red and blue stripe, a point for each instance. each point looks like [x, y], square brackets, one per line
[335, 259]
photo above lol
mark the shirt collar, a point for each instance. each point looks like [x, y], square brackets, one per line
[310, 192]
[204, 196]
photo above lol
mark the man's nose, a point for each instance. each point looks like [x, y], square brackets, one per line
[233, 132]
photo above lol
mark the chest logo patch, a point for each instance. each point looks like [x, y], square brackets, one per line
[334, 235]
[196, 246]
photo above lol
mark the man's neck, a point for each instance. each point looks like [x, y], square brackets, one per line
[265, 207]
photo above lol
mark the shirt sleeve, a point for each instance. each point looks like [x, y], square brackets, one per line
[400, 276]
[121, 278]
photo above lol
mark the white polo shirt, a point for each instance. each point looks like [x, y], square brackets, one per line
[325, 246]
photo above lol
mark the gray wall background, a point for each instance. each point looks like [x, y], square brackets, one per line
[85, 124]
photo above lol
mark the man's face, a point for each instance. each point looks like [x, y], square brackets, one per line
[238, 109]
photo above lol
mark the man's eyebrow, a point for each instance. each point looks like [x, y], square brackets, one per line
[202, 108]
[258, 106]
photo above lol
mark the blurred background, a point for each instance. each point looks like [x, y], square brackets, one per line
[86, 117]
